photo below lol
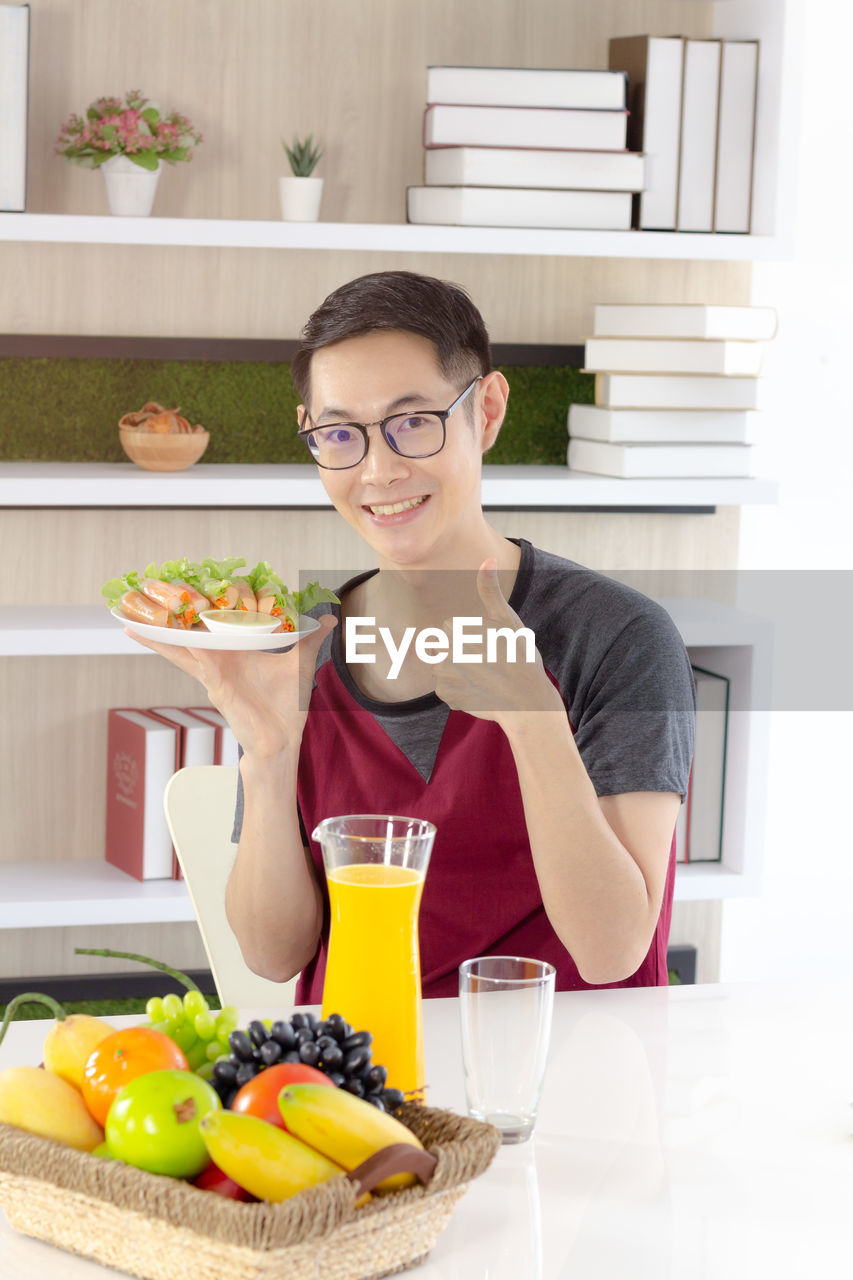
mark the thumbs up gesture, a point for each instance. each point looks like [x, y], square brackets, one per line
[494, 668]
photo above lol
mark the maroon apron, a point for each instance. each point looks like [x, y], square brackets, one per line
[481, 895]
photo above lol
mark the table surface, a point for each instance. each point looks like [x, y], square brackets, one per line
[691, 1133]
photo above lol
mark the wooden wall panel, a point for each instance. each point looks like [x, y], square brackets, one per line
[66, 555]
[353, 72]
[248, 293]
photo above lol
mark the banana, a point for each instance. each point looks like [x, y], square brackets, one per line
[261, 1158]
[45, 1104]
[346, 1129]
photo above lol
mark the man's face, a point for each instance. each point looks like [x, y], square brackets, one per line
[412, 511]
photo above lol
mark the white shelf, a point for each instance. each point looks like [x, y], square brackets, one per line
[121, 484]
[67, 631]
[62, 893]
[82, 630]
[385, 237]
[37, 895]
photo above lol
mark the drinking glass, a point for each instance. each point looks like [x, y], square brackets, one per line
[375, 868]
[505, 1004]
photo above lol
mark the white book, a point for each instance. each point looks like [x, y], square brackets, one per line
[526, 167]
[673, 355]
[655, 461]
[698, 154]
[655, 70]
[736, 136]
[198, 740]
[675, 391]
[683, 320]
[707, 784]
[14, 91]
[519, 207]
[451, 126]
[526, 87]
[228, 751]
[661, 426]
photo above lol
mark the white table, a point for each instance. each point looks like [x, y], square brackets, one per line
[696, 1133]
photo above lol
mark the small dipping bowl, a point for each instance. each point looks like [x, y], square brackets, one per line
[245, 620]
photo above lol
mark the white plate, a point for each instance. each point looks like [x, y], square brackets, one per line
[200, 638]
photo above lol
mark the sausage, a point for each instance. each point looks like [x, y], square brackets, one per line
[141, 608]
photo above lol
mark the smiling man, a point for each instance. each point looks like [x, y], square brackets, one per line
[554, 784]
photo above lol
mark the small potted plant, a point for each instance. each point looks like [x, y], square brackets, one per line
[127, 139]
[300, 194]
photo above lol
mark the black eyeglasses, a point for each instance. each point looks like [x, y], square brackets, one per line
[417, 434]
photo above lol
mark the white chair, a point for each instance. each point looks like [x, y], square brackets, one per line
[199, 804]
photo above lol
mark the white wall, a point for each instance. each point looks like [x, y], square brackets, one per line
[802, 923]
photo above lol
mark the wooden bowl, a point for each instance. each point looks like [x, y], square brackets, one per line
[155, 452]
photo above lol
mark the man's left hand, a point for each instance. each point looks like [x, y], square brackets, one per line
[491, 685]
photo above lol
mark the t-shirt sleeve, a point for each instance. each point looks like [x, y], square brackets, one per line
[635, 716]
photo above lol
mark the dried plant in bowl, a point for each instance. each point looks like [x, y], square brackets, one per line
[160, 439]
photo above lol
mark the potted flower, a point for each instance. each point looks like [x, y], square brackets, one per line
[300, 194]
[127, 140]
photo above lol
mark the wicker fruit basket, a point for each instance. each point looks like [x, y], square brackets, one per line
[164, 1229]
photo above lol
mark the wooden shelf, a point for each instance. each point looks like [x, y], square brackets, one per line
[121, 484]
[385, 237]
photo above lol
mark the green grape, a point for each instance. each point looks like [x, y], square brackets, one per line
[216, 1049]
[154, 1009]
[227, 1021]
[165, 1027]
[205, 1025]
[184, 1036]
[194, 1004]
[173, 1008]
[196, 1055]
[205, 1071]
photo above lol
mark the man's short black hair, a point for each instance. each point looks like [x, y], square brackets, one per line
[402, 300]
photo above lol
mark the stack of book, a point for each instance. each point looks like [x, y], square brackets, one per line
[692, 111]
[144, 748]
[526, 147]
[675, 388]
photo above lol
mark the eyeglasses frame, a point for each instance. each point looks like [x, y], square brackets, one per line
[382, 424]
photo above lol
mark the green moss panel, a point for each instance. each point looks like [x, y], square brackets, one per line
[64, 410]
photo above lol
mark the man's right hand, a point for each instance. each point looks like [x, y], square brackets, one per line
[263, 696]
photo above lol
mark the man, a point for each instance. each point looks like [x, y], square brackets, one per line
[554, 783]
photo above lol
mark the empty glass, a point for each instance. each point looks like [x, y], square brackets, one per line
[505, 1005]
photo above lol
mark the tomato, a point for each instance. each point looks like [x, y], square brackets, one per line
[213, 1179]
[120, 1058]
[259, 1097]
[153, 1123]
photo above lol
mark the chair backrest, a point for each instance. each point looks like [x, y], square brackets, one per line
[199, 803]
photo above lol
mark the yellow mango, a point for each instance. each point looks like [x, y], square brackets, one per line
[69, 1043]
[343, 1127]
[45, 1104]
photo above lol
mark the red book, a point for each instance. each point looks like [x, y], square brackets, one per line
[225, 749]
[142, 755]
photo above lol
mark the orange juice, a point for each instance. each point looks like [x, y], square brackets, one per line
[373, 973]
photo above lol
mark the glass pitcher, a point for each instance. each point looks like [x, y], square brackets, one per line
[375, 868]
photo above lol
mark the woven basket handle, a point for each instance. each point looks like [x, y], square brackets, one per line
[400, 1157]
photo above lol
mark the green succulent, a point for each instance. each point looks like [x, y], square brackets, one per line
[303, 156]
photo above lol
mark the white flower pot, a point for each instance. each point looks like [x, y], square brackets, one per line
[130, 189]
[300, 198]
